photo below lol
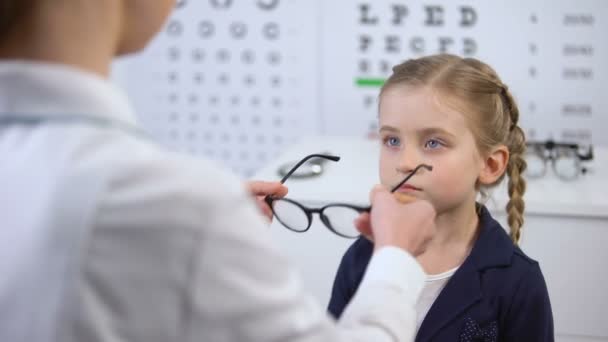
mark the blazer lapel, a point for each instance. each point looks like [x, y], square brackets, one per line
[461, 291]
[493, 248]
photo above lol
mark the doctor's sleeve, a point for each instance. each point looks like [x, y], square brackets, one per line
[243, 288]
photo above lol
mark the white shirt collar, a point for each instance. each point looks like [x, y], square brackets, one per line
[44, 89]
[441, 276]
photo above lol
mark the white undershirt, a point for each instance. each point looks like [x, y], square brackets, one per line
[432, 288]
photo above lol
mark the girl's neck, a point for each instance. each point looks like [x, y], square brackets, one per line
[457, 231]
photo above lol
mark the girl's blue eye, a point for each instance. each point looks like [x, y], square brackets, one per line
[392, 141]
[432, 144]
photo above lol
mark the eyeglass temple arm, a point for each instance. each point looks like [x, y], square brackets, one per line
[268, 199]
[293, 169]
[428, 167]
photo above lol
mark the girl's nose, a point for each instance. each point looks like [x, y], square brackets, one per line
[408, 161]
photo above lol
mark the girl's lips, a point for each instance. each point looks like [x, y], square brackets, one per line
[408, 188]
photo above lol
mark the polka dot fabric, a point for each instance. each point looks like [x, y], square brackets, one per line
[472, 332]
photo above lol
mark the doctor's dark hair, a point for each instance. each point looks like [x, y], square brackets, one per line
[474, 88]
[11, 12]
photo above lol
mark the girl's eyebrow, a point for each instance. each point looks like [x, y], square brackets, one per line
[435, 130]
[389, 129]
[423, 131]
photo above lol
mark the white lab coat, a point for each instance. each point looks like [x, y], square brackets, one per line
[106, 236]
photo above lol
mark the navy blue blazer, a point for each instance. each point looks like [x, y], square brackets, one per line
[497, 294]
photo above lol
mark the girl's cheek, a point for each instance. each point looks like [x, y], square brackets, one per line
[386, 162]
[440, 180]
[387, 172]
[384, 176]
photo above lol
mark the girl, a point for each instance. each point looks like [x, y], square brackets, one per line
[457, 115]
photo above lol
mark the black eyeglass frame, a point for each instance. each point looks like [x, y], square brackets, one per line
[310, 211]
[548, 150]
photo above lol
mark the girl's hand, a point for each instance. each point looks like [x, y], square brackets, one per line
[261, 189]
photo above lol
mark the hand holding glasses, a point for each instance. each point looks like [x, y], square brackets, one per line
[337, 217]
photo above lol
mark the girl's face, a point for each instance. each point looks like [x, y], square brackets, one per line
[142, 20]
[415, 128]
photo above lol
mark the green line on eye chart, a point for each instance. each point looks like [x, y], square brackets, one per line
[369, 82]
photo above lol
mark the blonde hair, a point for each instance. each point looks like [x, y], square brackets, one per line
[491, 112]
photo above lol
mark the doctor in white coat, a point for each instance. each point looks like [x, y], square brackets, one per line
[105, 236]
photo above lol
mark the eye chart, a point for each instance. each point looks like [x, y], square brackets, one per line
[237, 81]
[552, 55]
[234, 81]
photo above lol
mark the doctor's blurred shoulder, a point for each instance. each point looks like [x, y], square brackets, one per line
[108, 236]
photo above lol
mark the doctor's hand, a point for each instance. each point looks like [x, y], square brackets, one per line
[398, 220]
[261, 189]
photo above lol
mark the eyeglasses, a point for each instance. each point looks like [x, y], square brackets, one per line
[337, 217]
[565, 158]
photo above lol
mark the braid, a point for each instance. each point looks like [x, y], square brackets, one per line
[516, 143]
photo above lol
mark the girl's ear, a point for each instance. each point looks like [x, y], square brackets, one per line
[494, 165]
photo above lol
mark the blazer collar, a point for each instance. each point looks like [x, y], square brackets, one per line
[493, 248]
